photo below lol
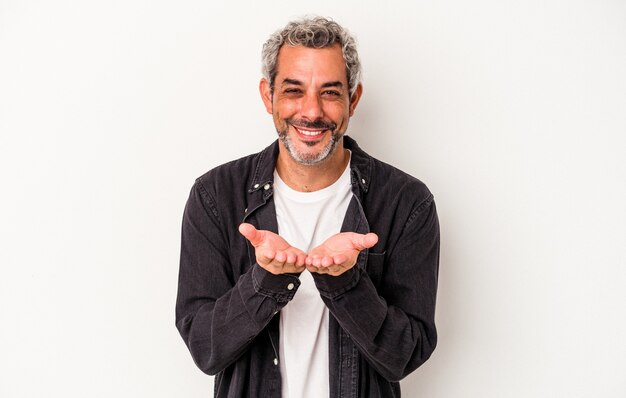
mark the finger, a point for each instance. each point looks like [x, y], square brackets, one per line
[327, 261]
[362, 242]
[266, 256]
[251, 233]
[340, 259]
[280, 256]
[277, 265]
[291, 258]
[269, 263]
[301, 261]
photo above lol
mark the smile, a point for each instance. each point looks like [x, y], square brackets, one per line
[309, 133]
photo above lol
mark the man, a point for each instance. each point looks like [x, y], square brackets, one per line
[310, 268]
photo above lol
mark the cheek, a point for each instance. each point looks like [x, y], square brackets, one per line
[339, 115]
[286, 108]
[279, 121]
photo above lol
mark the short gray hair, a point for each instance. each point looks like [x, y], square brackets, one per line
[315, 32]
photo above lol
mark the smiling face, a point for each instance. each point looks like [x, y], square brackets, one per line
[310, 103]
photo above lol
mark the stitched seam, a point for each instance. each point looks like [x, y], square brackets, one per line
[336, 293]
[209, 200]
[268, 293]
[420, 208]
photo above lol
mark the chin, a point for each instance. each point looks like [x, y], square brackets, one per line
[310, 158]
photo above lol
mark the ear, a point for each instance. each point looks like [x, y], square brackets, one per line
[266, 95]
[354, 100]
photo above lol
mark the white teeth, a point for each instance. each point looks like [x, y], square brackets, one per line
[308, 132]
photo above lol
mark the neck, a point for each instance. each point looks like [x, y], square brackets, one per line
[304, 178]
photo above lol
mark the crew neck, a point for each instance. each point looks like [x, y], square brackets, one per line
[307, 197]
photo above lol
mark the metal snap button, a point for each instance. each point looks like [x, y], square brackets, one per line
[290, 286]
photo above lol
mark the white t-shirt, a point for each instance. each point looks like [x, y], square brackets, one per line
[306, 220]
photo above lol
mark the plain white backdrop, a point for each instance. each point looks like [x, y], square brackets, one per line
[513, 113]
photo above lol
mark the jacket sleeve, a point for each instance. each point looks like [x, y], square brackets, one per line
[393, 327]
[217, 314]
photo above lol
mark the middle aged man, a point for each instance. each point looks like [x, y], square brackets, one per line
[332, 291]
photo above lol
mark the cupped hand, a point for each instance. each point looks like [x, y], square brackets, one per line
[272, 252]
[339, 252]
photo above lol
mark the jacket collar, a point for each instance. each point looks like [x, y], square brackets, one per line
[263, 177]
[264, 168]
[360, 164]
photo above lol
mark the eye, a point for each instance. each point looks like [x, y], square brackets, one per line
[331, 93]
[292, 91]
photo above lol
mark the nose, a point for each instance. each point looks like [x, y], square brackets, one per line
[311, 107]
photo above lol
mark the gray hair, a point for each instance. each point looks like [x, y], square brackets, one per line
[316, 32]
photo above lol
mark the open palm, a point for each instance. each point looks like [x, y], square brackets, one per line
[339, 252]
[272, 252]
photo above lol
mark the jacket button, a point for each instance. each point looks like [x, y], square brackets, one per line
[363, 180]
[290, 286]
[275, 361]
[266, 186]
[256, 186]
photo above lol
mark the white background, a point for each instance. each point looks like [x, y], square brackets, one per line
[513, 113]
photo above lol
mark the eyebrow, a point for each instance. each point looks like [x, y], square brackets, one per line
[292, 81]
[295, 82]
[332, 84]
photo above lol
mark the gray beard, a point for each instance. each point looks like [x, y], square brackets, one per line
[306, 159]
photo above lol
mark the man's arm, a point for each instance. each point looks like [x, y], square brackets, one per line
[394, 327]
[218, 316]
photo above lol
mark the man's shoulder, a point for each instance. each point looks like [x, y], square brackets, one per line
[387, 181]
[238, 167]
[396, 180]
[404, 189]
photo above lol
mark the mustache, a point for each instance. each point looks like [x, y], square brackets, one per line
[316, 124]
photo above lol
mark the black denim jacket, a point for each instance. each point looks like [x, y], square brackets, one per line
[381, 311]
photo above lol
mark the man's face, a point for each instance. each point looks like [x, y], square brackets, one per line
[311, 105]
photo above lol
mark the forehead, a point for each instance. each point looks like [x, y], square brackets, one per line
[299, 62]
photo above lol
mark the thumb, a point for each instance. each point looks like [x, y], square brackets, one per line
[361, 242]
[251, 233]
